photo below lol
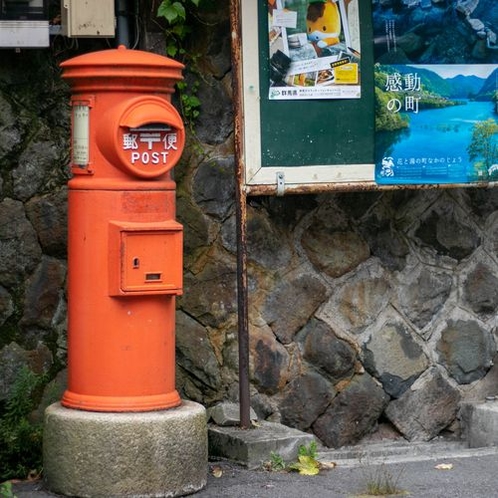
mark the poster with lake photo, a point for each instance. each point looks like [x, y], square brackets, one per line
[436, 91]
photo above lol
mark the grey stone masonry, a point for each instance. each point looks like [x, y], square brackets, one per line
[365, 308]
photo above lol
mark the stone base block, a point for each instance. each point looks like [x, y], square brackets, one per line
[252, 447]
[93, 454]
[481, 423]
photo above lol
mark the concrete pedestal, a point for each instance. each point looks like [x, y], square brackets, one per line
[94, 454]
[480, 421]
[252, 447]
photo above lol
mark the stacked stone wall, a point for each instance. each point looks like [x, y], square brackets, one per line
[366, 310]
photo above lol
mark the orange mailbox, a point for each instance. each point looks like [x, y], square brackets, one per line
[124, 245]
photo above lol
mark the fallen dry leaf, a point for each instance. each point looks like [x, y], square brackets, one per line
[327, 465]
[34, 475]
[306, 466]
[444, 466]
[216, 472]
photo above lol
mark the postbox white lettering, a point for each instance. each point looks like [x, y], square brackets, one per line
[158, 157]
[149, 157]
[130, 141]
[142, 145]
[170, 140]
[150, 139]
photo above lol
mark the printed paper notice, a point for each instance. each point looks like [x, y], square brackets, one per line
[81, 135]
[314, 49]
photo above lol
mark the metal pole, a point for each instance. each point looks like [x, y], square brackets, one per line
[242, 305]
[241, 218]
[122, 29]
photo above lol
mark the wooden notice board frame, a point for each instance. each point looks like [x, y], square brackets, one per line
[300, 146]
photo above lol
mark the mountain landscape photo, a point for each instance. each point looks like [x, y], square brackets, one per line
[436, 123]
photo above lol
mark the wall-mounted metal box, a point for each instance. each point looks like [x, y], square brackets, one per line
[24, 34]
[88, 18]
[24, 23]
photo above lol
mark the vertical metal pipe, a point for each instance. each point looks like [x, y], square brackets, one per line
[242, 302]
[241, 225]
[122, 28]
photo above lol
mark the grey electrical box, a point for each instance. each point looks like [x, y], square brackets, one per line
[24, 23]
[88, 18]
[24, 34]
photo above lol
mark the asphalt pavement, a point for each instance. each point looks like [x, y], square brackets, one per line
[426, 471]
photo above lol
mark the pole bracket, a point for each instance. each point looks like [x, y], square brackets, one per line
[280, 183]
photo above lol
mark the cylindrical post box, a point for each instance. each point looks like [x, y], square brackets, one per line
[124, 245]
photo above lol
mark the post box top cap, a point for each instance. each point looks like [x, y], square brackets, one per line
[122, 57]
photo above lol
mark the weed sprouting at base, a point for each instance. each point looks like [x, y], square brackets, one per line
[381, 482]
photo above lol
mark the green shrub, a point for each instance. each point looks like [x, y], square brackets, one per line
[20, 438]
[6, 490]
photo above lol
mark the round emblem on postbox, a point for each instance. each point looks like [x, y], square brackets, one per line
[148, 137]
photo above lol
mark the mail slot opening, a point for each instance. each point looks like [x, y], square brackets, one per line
[152, 127]
[152, 277]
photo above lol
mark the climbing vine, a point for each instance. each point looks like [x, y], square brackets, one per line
[175, 12]
[178, 15]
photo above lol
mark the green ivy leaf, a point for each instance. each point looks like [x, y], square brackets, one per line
[180, 10]
[167, 11]
[172, 12]
[194, 101]
[171, 50]
[180, 29]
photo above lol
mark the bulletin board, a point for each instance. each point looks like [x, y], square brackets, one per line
[305, 144]
[306, 125]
